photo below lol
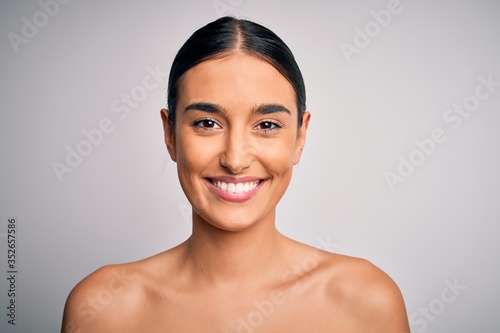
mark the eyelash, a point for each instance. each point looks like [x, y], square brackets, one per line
[277, 125]
[197, 123]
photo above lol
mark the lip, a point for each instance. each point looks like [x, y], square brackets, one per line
[230, 196]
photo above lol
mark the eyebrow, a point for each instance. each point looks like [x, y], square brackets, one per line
[214, 108]
[270, 108]
[206, 107]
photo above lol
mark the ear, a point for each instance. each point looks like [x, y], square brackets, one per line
[169, 135]
[301, 137]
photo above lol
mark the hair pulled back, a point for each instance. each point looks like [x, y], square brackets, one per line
[224, 36]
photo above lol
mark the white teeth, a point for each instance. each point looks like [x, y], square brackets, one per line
[236, 187]
[223, 186]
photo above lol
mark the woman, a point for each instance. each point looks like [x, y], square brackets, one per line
[236, 125]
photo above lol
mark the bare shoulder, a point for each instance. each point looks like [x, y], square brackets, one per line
[366, 294]
[111, 299]
[91, 305]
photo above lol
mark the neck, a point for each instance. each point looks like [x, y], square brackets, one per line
[233, 258]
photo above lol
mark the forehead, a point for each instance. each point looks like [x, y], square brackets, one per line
[236, 80]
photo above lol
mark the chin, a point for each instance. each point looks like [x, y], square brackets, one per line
[232, 221]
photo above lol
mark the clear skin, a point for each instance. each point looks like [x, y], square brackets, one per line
[236, 273]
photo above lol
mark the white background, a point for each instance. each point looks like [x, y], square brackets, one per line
[123, 201]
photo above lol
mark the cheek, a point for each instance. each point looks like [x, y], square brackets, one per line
[189, 166]
[187, 159]
[279, 156]
[193, 154]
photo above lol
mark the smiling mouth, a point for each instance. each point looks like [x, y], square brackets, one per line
[237, 188]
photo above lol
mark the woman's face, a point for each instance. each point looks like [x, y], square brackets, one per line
[235, 139]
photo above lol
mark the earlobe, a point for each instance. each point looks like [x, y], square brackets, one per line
[169, 134]
[301, 137]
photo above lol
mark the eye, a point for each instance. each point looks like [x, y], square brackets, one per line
[206, 124]
[268, 125]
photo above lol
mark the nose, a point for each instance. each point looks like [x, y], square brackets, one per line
[237, 154]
